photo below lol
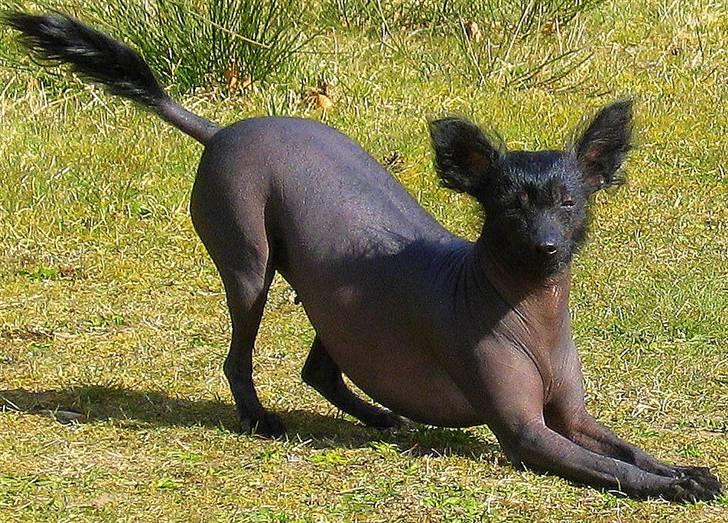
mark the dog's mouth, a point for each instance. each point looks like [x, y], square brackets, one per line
[554, 266]
[540, 264]
[552, 263]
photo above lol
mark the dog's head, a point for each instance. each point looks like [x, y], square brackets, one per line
[535, 203]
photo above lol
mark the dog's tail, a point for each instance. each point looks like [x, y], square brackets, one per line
[57, 38]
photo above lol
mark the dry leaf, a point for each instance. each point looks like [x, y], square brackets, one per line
[550, 27]
[319, 97]
[323, 101]
[472, 31]
[235, 82]
[232, 76]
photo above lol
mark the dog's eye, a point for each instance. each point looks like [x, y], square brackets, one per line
[519, 201]
[566, 199]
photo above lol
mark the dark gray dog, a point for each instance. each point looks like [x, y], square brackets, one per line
[440, 330]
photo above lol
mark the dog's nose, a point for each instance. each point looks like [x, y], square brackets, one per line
[549, 248]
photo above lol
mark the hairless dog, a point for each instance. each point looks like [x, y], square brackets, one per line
[438, 329]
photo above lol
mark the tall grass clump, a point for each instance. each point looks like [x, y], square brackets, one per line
[523, 43]
[194, 43]
[519, 43]
[529, 16]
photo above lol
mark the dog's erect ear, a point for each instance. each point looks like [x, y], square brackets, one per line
[603, 146]
[464, 156]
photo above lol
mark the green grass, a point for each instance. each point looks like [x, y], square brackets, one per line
[109, 306]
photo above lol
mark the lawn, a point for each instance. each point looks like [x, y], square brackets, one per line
[113, 326]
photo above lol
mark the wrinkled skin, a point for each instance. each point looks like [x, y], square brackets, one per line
[438, 329]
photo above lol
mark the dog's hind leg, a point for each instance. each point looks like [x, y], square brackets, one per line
[246, 294]
[323, 374]
[234, 232]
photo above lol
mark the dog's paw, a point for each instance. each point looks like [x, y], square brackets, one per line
[691, 490]
[385, 419]
[702, 475]
[268, 425]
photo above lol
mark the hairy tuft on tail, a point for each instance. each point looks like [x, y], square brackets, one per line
[92, 55]
[57, 38]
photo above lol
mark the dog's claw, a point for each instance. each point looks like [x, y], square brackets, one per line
[702, 476]
[691, 490]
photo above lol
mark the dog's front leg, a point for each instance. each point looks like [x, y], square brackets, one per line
[566, 414]
[513, 398]
[589, 433]
[537, 447]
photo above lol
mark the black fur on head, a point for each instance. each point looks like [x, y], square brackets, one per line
[535, 203]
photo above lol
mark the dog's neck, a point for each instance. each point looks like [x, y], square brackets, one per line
[543, 299]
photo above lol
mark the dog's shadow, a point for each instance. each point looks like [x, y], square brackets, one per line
[139, 409]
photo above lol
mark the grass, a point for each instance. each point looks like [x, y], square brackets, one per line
[109, 306]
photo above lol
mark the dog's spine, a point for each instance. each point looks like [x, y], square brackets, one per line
[57, 38]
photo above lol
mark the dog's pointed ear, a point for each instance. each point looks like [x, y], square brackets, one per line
[465, 157]
[603, 146]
